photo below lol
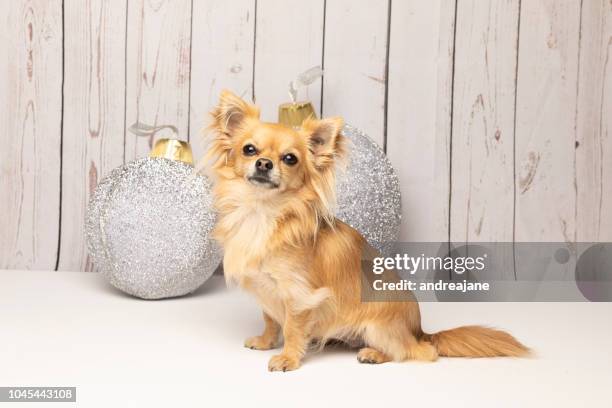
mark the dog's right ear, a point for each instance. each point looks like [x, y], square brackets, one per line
[229, 116]
[232, 113]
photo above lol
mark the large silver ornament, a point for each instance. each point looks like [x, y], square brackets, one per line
[368, 192]
[149, 227]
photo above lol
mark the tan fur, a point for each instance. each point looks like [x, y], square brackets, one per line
[476, 341]
[283, 245]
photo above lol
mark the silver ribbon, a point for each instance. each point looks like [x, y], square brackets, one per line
[302, 80]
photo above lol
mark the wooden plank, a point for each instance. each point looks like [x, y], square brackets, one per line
[355, 63]
[222, 58]
[545, 121]
[594, 125]
[158, 67]
[483, 121]
[289, 40]
[94, 113]
[418, 114]
[30, 133]
[482, 193]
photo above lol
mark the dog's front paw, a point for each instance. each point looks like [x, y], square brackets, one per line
[283, 362]
[259, 343]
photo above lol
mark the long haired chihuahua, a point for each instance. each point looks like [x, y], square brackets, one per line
[274, 190]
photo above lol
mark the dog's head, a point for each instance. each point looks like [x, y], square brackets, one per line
[272, 159]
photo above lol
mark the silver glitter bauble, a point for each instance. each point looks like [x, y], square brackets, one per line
[149, 226]
[368, 192]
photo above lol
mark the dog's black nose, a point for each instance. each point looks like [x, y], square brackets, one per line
[264, 165]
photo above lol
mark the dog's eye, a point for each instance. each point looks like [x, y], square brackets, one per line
[249, 150]
[290, 159]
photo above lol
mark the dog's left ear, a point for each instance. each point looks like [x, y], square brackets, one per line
[325, 141]
[231, 113]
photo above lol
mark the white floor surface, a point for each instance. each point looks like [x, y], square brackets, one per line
[73, 329]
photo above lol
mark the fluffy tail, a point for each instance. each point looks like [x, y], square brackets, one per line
[476, 341]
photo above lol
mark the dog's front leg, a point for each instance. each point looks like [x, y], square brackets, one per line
[295, 332]
[268, 339]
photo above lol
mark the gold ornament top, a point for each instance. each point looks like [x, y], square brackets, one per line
[167, 148]
[292, 114]
[172, 149]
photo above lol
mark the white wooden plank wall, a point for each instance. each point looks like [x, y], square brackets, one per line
[546, 121]
[594, 124]
[355, 63]
[419, 112]
[496, 114]
[482, 196]
[289, 39]
[482, 172]
[93, 115]
[158, 67]
[30, 133]
[222, 46]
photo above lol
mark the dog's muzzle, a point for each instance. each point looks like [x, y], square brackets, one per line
[261, 176]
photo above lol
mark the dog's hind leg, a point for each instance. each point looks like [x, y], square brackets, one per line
[395, 342]
[368, 355]
[421, 350]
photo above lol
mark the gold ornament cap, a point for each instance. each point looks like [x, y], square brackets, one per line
[168, 148]
[293, 114]
[172, 149]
